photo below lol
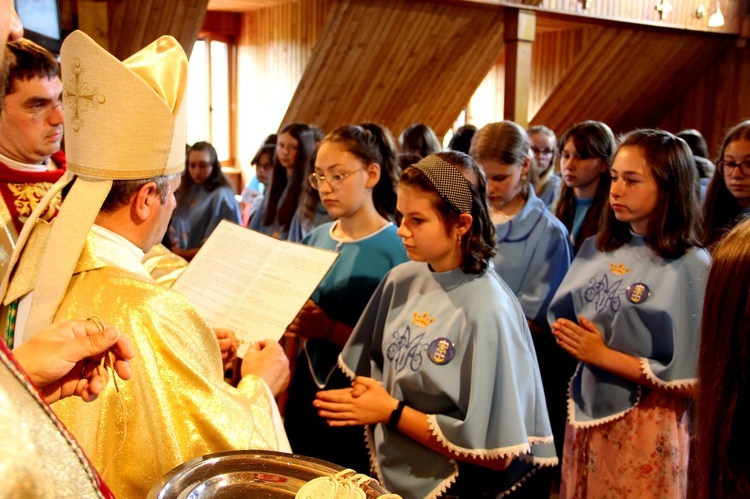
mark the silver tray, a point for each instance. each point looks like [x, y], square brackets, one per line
[246, 474]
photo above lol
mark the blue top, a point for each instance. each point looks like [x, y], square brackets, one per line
[298, 230]
[256, 220]
[200, 211]
[582, 207]
[457, 347]
[347, 287]
[645, 306]
[549, 194]
[533, 253]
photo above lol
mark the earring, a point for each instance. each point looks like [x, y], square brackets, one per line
[524, 177]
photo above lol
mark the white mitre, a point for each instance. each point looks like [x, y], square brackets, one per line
[123, 121]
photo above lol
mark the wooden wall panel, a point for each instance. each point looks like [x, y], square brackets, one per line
[717, 101]
[397, 63]
[275, 45]
[644, 11]
[629, 77]
[135, 24]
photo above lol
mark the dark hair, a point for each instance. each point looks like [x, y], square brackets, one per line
[419, 139]
[26, 60]
[268, 149]
[406, 159]
[477, 245]
[305, 145]
[373, 143]
[695, 142]
[721, 210]
[507, 143]
[592, 139]
[318, 133]
[123, 190]
[461, 140]
[723, 403]
[215, 179]
[671, 228]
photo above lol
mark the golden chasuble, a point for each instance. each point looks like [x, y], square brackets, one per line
[176, 406]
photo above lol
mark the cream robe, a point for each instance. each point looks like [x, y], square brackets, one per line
[176, 406]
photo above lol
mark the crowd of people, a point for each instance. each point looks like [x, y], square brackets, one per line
[514, 314]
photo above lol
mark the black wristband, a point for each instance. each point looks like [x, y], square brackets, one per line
[395, 416]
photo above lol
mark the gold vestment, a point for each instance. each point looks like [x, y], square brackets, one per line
[176, 406]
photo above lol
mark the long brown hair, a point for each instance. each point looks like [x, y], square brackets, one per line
[305, 145]
[672, 227]
[592, 139]
[722, 463]
[720, 209]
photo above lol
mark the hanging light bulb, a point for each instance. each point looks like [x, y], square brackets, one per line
[716, 19]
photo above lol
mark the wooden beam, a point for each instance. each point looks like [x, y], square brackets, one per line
[519, 37]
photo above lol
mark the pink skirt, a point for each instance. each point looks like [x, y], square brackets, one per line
[642, 454]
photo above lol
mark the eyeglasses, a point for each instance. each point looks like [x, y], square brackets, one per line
[725, 167]
[546, 152]
[334, 180]
[39, 110]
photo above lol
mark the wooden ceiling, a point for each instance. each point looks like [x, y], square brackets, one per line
[242, 5]
[630, 77]
[397, 63]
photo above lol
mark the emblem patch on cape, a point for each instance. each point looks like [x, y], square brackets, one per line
[441, 351]
[638, 293]
[618, 269]
[423, 319]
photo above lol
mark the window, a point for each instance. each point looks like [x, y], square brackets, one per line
[210, 84]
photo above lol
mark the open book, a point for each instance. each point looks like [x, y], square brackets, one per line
[252, 283]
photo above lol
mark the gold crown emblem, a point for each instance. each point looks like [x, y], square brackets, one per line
[423, 320]
[619, 269]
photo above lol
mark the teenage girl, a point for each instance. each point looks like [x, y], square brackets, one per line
[444, 368]
[355, 175]
[585, 155]
[294, 149]
[722, 465]
[204, 199]
[728, 197]
[543, 147]
[532, 253]
[629, 310]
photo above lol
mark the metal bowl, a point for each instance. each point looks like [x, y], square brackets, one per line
[243, 474]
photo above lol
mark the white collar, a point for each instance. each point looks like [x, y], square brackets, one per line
[24, 167]
[117, 238]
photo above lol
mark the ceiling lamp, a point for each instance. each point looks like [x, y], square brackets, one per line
[716, 19]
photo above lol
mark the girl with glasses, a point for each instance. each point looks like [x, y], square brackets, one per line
[204, 199]
[355, 176]
[728, 197]
[629, 310]
[543, 146]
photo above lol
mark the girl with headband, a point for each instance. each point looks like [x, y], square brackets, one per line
[444, 371]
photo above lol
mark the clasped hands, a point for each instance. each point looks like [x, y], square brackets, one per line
[583, 341]
[366, 402]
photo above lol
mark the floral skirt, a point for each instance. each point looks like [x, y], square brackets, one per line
[642, 454]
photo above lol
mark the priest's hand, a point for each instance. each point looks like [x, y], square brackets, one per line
[228, 344]
[367, 402]
[64, 359]
[267, 360]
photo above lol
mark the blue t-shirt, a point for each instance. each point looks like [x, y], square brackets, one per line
[582, 207]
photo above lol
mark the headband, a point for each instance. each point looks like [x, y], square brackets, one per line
[448, 181]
